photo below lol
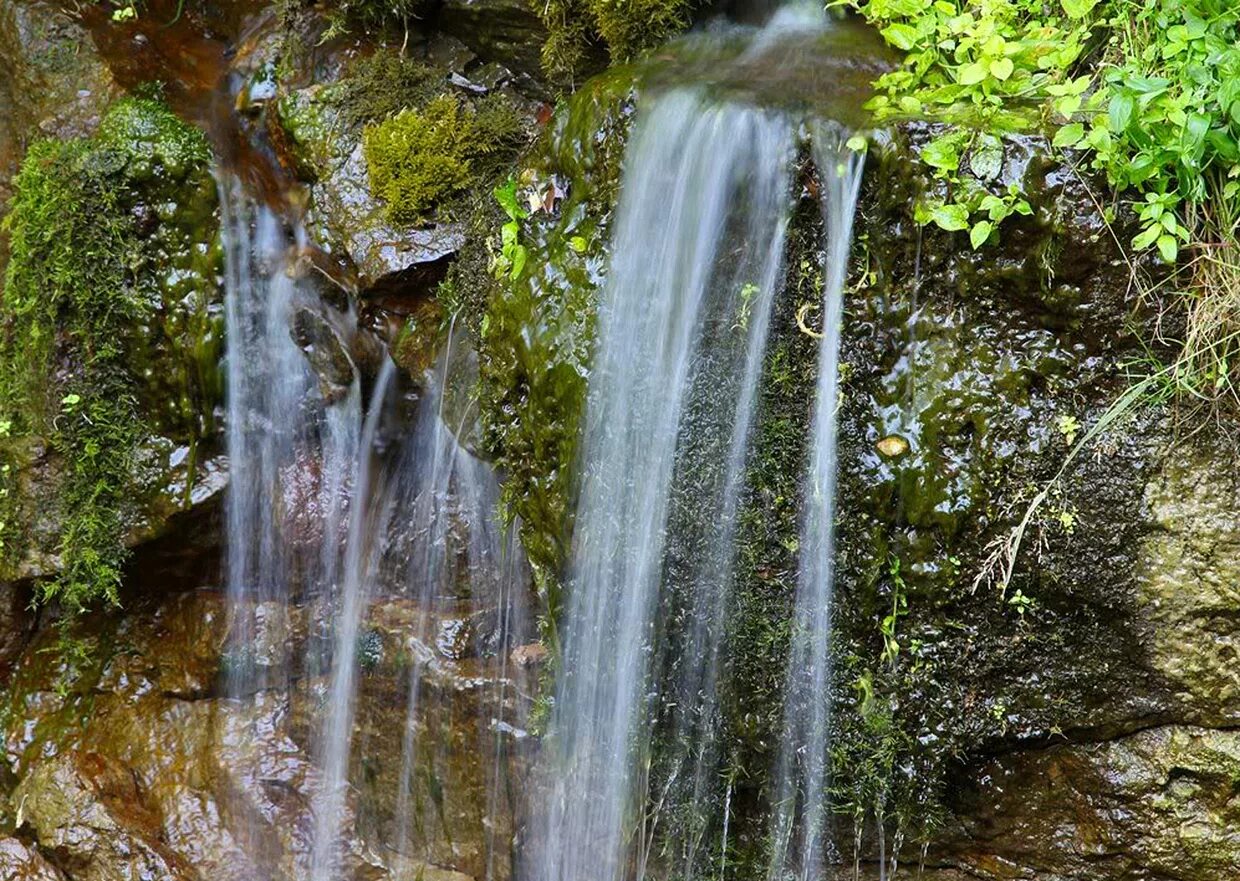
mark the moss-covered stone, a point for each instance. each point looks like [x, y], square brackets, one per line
[537, 318]
[417, 158]
[577, 29]
[113, 271]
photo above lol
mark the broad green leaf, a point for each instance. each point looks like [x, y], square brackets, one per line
[1168, 247]
[1001, 68]
[942, 153]
[902, 36]
[1078, 8]
[1146, 237]
[950, 217]
[1069, 135]
[980, 233]
[972, 74]
[1119, 113]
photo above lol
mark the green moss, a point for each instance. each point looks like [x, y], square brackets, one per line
[385, 83]
[536, 332]
[576, 28]
[346, 16]
[91, 292]
[419, 157]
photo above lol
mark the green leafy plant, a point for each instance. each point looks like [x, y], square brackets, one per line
[1147, 92]
[512, 255]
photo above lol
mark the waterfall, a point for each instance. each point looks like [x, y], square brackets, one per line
[268, 428]
[801, 778]
[697, 261]
[453, 542]
[357, 572]
[328, 507]
[701, 178]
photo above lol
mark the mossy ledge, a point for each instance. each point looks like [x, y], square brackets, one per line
[114, 259]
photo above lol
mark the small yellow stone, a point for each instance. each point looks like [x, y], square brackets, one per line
[893, 446]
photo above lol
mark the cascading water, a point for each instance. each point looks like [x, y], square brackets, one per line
[356, 575]
[455, 557]
[328, 509]
[673, 305]
[801, 779]
[697, 261]
[268, 427]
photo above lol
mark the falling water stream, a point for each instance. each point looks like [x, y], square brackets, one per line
[801, 778]
[332, 504]
[697, 260]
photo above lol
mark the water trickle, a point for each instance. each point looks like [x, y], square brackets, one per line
[268, 380]
[800, 809]
[356, 575]
[457, 560]
[332, 507]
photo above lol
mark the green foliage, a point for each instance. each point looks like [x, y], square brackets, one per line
[80, 293]
[512, 256]
[1147, 90]
[346, 16]
[536, 322]
[419, 157]
[625, 27]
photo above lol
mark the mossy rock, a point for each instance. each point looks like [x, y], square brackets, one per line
[392, 152]
[112, 337]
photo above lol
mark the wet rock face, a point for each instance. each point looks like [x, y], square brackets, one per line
[1158, 804]
[141, 769]
[20, 862]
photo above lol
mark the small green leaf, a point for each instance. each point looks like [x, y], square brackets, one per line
[1168, 247]
[519, 256]
[1119, 112]
[1146, 237]
[857, 143]
[1001, 68]
[902, 36]
[578, 244]
[506, 195]
[972, 74]
[1078, 8]
[942, 153]
[980, 233]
